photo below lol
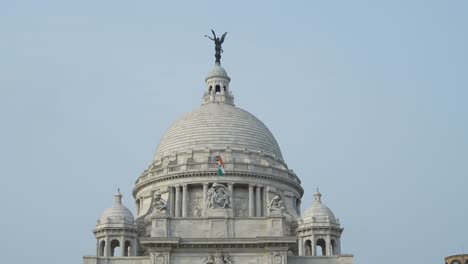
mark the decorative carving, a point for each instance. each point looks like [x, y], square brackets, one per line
[277, 259]
[218, 258]
[275, 205]
[157, 258]
[196, 212]
[218, 196]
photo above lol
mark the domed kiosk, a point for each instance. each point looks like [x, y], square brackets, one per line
[116, 229]
[319, 231]
[219, 192]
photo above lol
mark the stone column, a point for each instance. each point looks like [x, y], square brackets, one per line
[122, 246]
[177, 201]
[251, 200]
[107, 248]
[337, 247]
[231, 193]
[98, 247]
[313, 246]
[328, 245]
[300, 246]
[258, 200]
[205, 190]
[184, 200]
[134, 247]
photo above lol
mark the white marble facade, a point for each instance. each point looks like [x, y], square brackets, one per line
[188, 214]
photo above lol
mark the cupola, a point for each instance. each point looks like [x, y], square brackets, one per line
[116, 232]
[319, 232]
[217, 86]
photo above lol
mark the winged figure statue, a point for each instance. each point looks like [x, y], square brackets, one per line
[218, 41]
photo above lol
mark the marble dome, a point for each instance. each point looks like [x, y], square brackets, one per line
[319, 212]
[117, 212]
[218, 126]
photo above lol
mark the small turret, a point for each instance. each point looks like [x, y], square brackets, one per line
[319, 228]
[116, 229]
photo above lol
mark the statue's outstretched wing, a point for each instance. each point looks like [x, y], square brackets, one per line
[223, 36]
[214, 34]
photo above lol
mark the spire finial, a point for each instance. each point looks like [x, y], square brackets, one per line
[218, 49]
[318, 196]
[118, 196]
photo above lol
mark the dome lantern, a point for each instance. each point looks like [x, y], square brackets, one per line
[318, 196]
[217, 81]
[118, 197]
[217, 87]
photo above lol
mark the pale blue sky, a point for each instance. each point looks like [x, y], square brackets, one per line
[367, 99]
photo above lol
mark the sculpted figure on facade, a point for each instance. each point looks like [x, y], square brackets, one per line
[275, 205]
[209, 260]
[218, 196]
[196, 212]
[159, 204]
[158, 208]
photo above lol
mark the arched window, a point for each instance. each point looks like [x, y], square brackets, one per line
[102, 246]
[455, 261]
[210, 89]
[115, 248]
[333, 247]
[320, 248]
[224, 88]
[127, 249]
[217, 88]
[308, 248]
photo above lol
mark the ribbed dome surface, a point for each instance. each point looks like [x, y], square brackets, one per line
[217, 71]
[319, 211]
[116, 212]
[217, 126]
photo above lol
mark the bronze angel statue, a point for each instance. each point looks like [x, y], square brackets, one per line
[218, 41]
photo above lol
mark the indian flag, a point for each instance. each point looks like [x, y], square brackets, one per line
[221, 170]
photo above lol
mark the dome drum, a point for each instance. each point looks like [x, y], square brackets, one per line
[234, 160]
